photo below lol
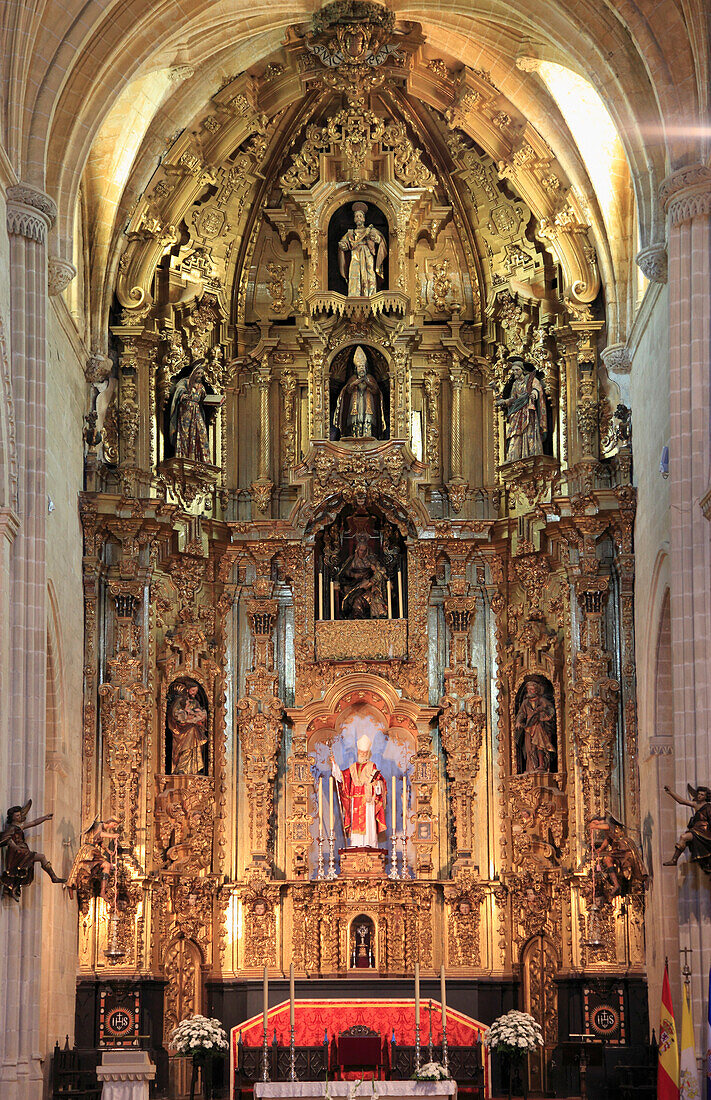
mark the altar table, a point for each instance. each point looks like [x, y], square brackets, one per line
[316, 1090]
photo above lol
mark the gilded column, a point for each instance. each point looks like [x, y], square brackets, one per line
[686, 199]
[261, 489]
[457, 487]
[30, 215]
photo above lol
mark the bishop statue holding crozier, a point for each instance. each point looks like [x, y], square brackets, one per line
[361, 790]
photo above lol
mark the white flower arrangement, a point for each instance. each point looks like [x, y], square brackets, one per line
[516, 1033]
[198, 1035]
[432, 1071]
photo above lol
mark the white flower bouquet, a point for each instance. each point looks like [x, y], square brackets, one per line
[515, 1034]
[199, 1035]
[432, 1071]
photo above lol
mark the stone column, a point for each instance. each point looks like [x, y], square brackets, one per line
[686, 198]
[30, 215]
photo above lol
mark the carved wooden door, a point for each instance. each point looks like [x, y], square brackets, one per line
[540, 964]
[181, 965]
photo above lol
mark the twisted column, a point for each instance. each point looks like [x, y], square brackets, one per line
[30, 215]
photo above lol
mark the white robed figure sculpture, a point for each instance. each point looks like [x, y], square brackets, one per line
[368, 250]
[362, 794]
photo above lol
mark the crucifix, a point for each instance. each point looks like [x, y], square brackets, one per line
[686, 969]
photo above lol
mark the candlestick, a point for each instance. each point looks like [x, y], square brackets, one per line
[333, 602]
[417, 1016]
[393, 857]
[319, 873]
[443, 996]
[332, 872]
[400, 607]
[265, 1047]
[390, 599]
[292, 1051]
[320, 595]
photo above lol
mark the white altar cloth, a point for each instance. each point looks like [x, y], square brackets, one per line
[126, 1074]
[316, 1090]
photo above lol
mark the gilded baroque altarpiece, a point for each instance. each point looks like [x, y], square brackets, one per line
[436, 544]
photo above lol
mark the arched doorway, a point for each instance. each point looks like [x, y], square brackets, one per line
[539, 965]
[181, 965]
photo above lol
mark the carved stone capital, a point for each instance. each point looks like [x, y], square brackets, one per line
[30, 213]
[686, 193]
[59, 275]
[616, 358]
[652, 262]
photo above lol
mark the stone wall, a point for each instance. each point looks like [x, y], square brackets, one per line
[649, 396]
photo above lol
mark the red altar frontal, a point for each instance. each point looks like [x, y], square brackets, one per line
[324, 1021]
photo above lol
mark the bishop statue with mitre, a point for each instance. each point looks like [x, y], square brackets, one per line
[361, 789]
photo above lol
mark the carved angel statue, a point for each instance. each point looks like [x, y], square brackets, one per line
[96, 856]
[20, 859]
[368, 249]
[617, 858]
[697, 835]
[526, 413]
[188, 423]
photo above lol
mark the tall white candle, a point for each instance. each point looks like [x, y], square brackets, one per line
[404, 805]
[291, 995]
[400, 606]
[394, 817]
[330, 793]
[320, 805]
[390, 599]
[333, 603]
[320, 595]
[266, 998]
[443, 996]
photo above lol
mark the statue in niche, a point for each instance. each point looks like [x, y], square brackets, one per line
[526, 412]
[359, 407]
[361, 794]
[697, 835]
[186, 719]
[363, 584]
[362, 941]
[368, 249]
[20, 859]
[188, 422]
[535, 729]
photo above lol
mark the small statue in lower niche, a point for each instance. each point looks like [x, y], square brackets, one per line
[697, 835]
[19, 858]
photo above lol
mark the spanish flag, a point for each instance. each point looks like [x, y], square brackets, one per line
[668, 1069]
